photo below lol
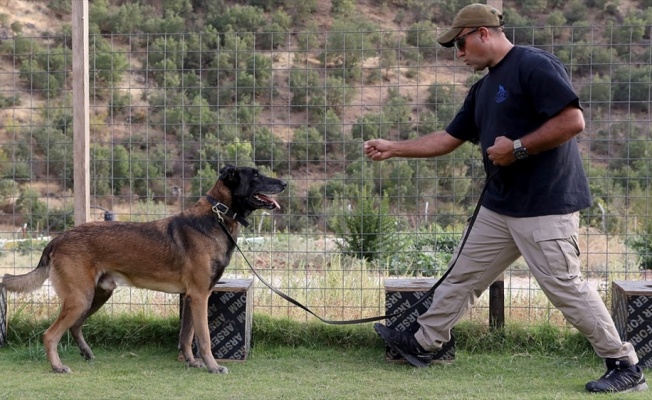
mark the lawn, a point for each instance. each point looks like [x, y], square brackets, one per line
[279, 372]
[136, 358]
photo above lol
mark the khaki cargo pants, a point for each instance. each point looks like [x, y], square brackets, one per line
[549, 246]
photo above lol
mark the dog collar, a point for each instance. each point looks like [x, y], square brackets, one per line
[221, 209]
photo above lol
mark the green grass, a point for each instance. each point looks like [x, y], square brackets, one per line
[136, 358]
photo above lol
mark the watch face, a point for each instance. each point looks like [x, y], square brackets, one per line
[520, 153]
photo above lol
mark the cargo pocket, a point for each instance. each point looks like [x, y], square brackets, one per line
[559, 247]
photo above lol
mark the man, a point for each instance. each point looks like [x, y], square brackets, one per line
[524, 115]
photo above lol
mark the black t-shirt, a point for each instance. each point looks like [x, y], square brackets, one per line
[525, 89]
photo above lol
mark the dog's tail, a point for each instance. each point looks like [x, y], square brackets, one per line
[32, 280]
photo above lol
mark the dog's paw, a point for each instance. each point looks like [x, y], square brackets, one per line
[219, 370]
[61, 369]
[195, 364]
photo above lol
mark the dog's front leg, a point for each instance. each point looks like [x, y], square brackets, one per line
[199, 308]
[186, 335]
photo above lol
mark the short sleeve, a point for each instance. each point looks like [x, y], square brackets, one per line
[463, 125]
[551, 88]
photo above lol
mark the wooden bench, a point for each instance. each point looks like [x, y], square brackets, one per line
[631, 307]
[401, 294]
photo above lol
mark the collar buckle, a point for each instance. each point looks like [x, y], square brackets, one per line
[221, 210]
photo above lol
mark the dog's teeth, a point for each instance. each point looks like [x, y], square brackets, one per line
[263, 198]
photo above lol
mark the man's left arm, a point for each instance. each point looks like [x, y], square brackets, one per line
[559, 129]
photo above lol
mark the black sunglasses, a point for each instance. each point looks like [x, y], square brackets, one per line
[460, 41]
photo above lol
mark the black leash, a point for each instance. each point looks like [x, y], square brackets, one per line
[218, 211]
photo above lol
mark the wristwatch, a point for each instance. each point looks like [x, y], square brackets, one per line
[520, 152]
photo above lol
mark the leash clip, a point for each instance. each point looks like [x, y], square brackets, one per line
[220, 209]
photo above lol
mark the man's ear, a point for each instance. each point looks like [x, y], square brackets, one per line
[230, 175]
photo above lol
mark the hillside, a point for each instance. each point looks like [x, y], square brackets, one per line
[411, 78]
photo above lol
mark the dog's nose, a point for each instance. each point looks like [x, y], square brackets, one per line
[284, 183]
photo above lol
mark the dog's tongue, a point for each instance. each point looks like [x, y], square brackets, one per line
[269, 199]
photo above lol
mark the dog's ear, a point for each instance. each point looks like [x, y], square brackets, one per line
[230, 175]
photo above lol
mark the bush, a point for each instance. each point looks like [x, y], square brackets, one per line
[370, 126]
[425, 254]
[307, 146]
[368, 232]
[631, 87]
[343, 7]
[422, 36]
[597, 92]
[239, 18]
[643, 246]
[9, 192]
[269, 150]
[38, 79]
[575, 11]
[34, 211]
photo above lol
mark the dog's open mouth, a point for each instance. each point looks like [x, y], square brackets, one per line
[264, 201]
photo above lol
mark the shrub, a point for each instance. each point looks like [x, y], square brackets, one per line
[239, 18]
[370, 126]
[307, 146]
[38, 79]
[34, 211]
[422, 36]
[368, 231]
[343, 7]
[9, 192]
[597, 92]
[424, 254]
[575, 10]
[643, 246]
[269, 150]
[631, 87]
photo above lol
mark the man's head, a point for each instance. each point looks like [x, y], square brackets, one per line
[472, 16]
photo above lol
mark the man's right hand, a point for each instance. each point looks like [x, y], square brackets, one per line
[378, 149]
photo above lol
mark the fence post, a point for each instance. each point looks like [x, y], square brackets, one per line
[80, 111]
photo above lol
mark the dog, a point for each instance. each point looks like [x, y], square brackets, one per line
[185, 253]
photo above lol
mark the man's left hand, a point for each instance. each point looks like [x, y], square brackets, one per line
[502, 152]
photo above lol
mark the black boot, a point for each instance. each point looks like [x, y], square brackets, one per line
[406, 345]
[621, 377]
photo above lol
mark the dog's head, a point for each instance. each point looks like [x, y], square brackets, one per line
[250, 189]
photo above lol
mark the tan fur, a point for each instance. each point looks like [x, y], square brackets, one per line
[185, 253]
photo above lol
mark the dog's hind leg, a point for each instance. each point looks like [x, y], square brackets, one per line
[72, 308]
[76, 296]
[103, 291]
[186, 335]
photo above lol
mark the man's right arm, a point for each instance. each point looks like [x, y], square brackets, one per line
[431, 145]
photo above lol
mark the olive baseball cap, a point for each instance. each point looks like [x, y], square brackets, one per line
[472, 16]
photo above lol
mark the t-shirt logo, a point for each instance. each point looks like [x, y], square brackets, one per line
[502, 94]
